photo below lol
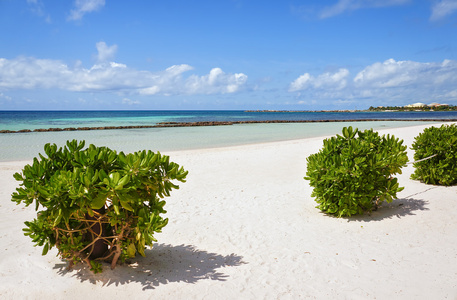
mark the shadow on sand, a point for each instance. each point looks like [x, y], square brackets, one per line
[163, 264]
[398, 208]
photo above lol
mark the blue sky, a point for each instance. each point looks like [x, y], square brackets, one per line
[226, 54]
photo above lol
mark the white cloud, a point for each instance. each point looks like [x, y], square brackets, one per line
[85, 6]
[442, 9]
[105, 53]
[393, 73]
[335, 80]
[152, 90]
[170, 81]
[396, 82]
[215, 82]
[387, 74]
[24, 73]
[27, 73]
[167, 82]
[343, 6]
[130, 101]
[300, 83]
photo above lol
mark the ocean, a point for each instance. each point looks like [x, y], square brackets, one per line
[26, 145]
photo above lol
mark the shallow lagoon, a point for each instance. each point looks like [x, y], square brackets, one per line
[25, 146]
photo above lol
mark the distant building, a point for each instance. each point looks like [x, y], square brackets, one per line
[434, 104]
[418, 104]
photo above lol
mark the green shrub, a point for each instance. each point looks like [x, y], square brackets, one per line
[352, 175]
[442, 168]
[97, 204]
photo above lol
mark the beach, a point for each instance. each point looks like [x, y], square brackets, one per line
[244, 226]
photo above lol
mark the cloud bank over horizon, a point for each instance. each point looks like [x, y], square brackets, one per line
[24, 73]
[390, 80]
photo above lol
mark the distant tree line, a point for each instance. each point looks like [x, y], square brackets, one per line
[421, 108]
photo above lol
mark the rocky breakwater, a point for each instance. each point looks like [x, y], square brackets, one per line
[214, 123]
[77, 129]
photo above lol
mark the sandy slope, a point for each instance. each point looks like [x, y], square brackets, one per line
[245, 227]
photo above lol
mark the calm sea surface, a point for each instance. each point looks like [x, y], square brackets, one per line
[18, 120]
[25, 146]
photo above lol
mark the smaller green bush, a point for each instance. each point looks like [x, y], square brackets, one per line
[352, 175]
[442, 168]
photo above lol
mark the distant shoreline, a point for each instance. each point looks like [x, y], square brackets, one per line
[374, 110]
[303, 111]
[311, 111]
[216, 123]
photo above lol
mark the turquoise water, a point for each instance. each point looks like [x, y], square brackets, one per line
[31, 120]
[25, 146]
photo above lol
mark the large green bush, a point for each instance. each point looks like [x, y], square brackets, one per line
[441, 143]
[96, 204]
[352, 173]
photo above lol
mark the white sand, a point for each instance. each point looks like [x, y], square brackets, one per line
[245, 227]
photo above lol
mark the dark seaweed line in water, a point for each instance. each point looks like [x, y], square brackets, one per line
[216, 123]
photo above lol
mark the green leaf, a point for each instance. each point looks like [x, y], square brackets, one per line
[124, 180]
[102, 175]
[90, 212]
[116, 209]
[131, 250]
[59, 217]
[99, 201]
[140, 247]
[126, 205]
[114, 177]
[96, 267]
[45, 249]
[18, 176]
[345, 132]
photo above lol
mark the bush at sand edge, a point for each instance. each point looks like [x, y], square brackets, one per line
[97, 204]
[436, 147]
[351, 175]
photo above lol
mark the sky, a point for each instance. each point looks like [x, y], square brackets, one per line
[226, 54]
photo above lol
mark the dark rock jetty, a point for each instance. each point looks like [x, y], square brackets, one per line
[215, 123]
